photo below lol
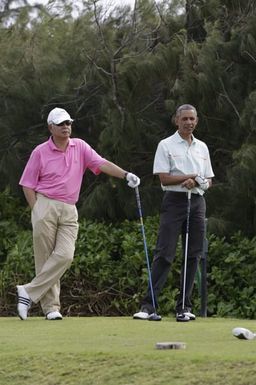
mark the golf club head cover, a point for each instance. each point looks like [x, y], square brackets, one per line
[132, 179]
[243, 334]
[202, 182]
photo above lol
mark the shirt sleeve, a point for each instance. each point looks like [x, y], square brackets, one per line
[93, 160]
[161, 161]
[208, 170]
[31, 172]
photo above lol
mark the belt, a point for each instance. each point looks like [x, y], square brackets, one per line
[180, 193]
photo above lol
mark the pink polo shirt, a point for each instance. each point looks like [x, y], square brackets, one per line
[58, 174]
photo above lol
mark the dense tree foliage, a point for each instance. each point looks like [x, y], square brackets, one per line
[121, 73]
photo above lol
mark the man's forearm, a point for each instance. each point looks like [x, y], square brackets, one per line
[112, 169]
[167, 179]
[30, 196]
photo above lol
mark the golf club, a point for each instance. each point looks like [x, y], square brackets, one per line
[154, 316]
[186, 251]
[243, 334]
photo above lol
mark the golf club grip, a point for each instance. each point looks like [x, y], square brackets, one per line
[137, 193]
[140, 215]
[188, 211]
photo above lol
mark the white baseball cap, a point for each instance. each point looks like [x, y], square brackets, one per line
[58, 115]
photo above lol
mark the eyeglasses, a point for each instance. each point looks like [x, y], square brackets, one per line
[66, 122]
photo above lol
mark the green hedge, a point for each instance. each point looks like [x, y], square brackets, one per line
[231, 277]
[109, 275]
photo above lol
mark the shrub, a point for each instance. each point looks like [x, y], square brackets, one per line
[12, 218]
[109, 276]
[231, 276]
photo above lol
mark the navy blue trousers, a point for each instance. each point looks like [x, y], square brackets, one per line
[173, 223]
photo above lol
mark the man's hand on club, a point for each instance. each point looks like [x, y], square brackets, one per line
[202, 182]
[132, 179]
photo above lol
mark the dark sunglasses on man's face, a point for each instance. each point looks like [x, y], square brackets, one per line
[66, 122]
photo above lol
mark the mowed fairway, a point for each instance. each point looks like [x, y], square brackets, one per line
[120, 350]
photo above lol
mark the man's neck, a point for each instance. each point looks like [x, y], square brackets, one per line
[61, 143]
[188, 138]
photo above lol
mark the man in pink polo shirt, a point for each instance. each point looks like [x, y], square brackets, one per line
[51, 183]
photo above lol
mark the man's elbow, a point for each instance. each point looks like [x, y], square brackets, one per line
[210, 182]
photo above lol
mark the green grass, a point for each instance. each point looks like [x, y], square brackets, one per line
[121, 351]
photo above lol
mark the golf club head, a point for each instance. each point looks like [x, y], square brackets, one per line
[154, 317]
[243, 334]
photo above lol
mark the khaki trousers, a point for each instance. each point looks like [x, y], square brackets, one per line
[55, 229]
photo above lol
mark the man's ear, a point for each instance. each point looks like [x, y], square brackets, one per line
[175, 120]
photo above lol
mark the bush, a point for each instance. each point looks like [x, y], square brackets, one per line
[109, 276]
[231, 278]
[12, 218]
[18, 268]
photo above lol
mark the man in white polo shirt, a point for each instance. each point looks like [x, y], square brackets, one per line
[182, 163]
[51, 183]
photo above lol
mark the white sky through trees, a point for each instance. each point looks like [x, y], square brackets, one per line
[107, 3]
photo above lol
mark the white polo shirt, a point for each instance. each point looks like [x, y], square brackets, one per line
[175, 156]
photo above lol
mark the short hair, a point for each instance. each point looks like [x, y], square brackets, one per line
[185, 107]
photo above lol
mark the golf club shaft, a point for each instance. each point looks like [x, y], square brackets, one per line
[186, 251]
[137, 193]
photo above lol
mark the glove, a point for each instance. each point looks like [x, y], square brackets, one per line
[202, 182]
[133, 180]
